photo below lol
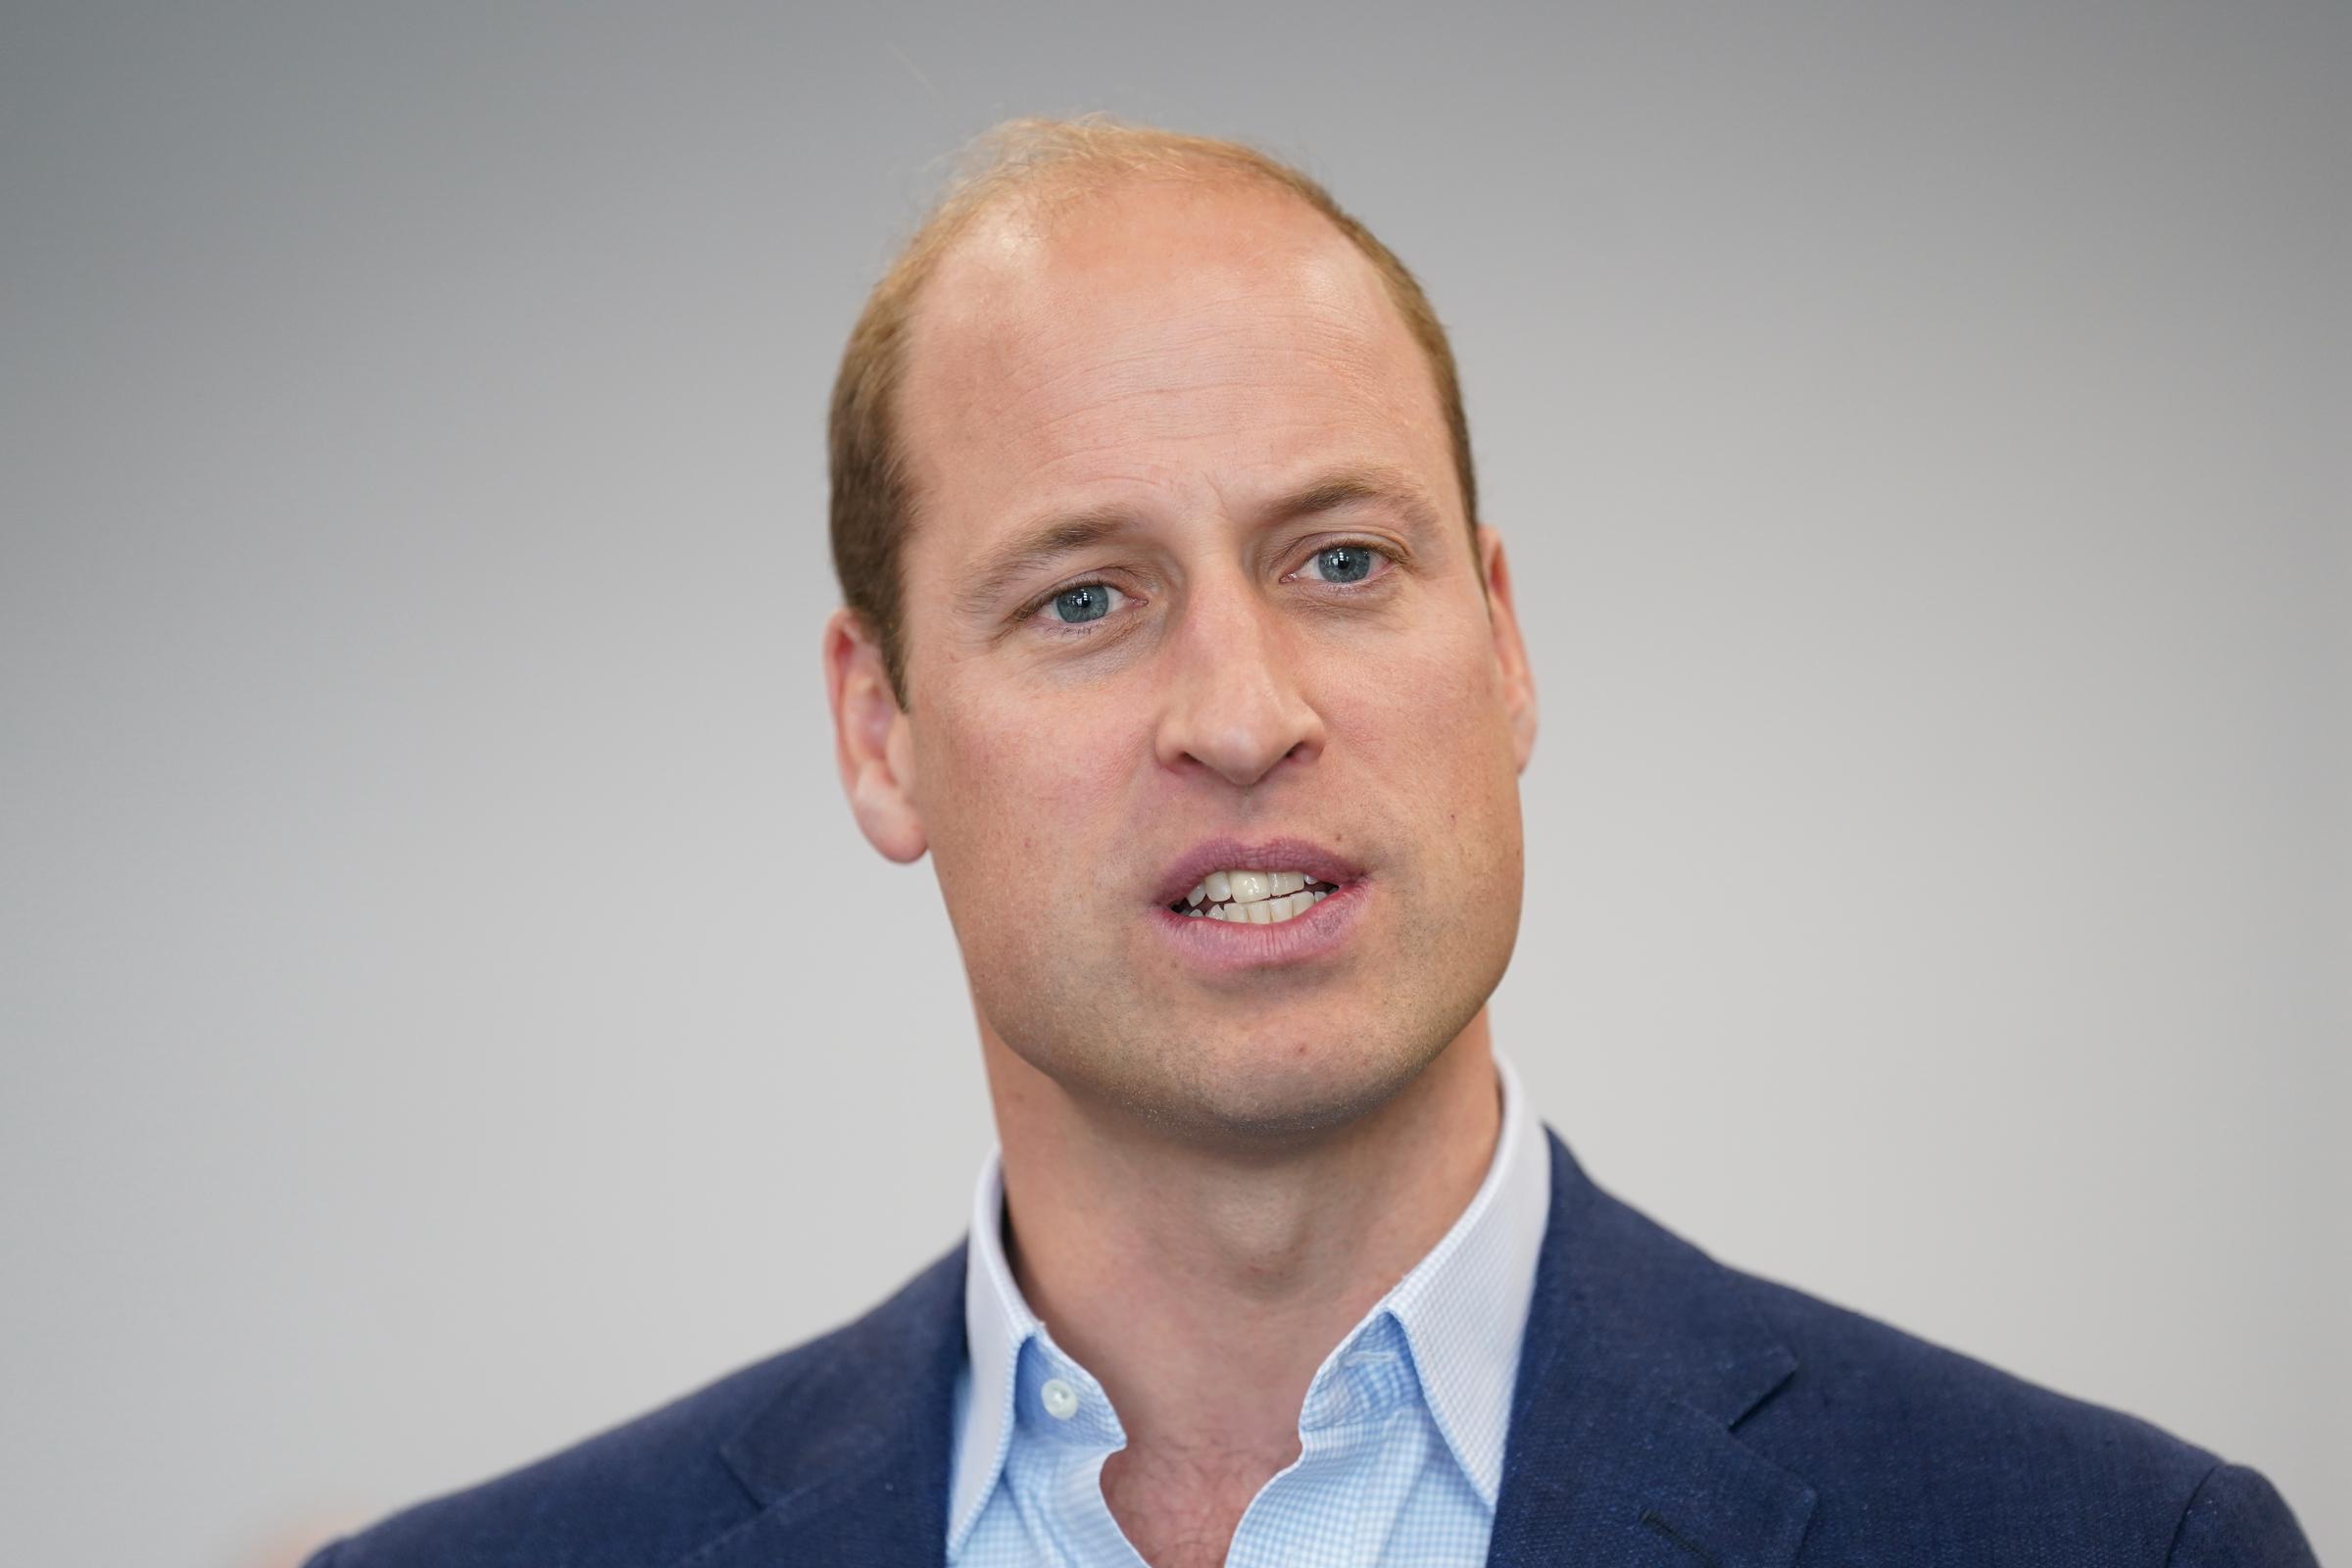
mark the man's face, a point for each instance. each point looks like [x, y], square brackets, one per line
[1191, 589]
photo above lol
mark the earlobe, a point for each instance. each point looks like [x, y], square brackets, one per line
[1510, 651]
[871, 742]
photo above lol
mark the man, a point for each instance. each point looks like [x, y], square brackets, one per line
[1172, 637]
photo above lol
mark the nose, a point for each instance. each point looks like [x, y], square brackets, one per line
[1234, 700]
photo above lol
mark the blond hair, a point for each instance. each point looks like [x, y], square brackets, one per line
[1040, 160]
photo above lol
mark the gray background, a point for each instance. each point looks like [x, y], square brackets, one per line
[447, 1007]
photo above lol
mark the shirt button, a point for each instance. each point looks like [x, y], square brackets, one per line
[1061, 1401]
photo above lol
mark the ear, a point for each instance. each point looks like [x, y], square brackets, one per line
[1502, 613]
[871, 739]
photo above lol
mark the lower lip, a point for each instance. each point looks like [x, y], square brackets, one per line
[1237, 945]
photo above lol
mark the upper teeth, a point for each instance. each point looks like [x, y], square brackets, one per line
[1260, 898]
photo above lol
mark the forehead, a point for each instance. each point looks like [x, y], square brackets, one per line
[1177, 336]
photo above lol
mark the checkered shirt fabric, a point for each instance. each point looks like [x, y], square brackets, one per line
[1401, 1434]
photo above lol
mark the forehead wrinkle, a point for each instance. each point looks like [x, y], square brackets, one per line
[1188, 350]
[1172, 420]
[1283, 385]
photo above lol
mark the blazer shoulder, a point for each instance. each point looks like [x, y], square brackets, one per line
[1912, 1445]
[2238, 1517]
[645, 1492]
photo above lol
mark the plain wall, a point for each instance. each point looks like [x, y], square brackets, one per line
[447, 1007]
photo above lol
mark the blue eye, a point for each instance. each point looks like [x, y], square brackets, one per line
[1344, 564]
[1088, 601]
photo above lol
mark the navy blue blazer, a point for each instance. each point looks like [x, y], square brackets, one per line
[1669, 1413]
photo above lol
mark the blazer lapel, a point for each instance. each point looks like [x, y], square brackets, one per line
[1641, 1354]
[849, 1459]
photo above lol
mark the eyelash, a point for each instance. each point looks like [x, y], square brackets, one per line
[1036, 607]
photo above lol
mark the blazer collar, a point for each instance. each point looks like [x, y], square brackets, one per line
[848, 1460]
[1642, 1355]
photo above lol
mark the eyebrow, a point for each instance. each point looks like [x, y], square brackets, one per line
[1046, 542]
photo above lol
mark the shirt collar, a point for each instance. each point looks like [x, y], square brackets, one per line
[997, 1323]
[1462, 1310]
[1465, 1306]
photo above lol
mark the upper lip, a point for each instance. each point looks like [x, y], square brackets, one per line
[1319, 863]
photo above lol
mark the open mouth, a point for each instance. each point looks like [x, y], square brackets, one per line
[1252, 897]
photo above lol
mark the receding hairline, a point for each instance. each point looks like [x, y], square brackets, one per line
[1051, 164]
[1050, 171]
[1039, 194]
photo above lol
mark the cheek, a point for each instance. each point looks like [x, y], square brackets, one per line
[1432, 732]
[1432, 711]
[1017, 795]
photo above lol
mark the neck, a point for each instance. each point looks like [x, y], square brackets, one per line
[1203, 1285]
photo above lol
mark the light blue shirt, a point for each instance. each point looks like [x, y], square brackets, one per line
[1400, 1437]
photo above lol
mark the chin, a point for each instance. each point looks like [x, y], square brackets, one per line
[1273, 1089]
[1202, 1071]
